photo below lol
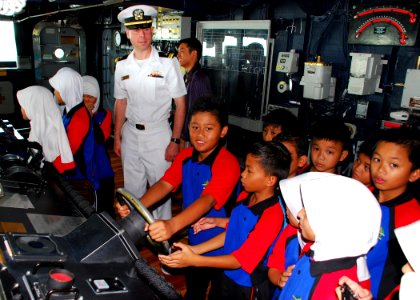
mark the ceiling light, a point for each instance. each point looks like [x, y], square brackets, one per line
[11, 7]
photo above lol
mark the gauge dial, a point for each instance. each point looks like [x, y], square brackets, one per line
[117, 38]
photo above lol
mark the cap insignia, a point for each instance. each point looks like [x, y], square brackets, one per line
[138, 14]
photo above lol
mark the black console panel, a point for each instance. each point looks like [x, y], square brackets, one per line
[104, 262]
[52, 243]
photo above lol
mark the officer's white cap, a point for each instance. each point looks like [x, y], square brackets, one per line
[137, 16]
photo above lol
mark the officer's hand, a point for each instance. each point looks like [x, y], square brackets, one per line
[160, 230]
[171, 151]
[117, 146]
[121, 210]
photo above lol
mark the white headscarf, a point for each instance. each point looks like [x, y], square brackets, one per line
[91, 88]
[46, 124]
[288, 188]
[343, 214]
[409, 240]
[69, 84]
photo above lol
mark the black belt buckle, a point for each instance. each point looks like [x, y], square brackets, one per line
[140, 127]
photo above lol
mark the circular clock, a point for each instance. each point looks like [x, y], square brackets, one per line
[117, 38]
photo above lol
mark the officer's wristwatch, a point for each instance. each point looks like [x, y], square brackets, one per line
[176, 140]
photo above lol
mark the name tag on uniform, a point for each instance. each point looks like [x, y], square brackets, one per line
[155, 74]
[125, 77]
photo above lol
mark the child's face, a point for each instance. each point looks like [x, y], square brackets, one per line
[90, 102]
[253, 178]
[325, 155]
[304, 226]
[270, 131]
[58, 98]
[361, 169]
[24, 116]
[297, 161]
[291, 218]
[391, 171]
[205, 132]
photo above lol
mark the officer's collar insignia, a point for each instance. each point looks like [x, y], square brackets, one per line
[138, 14]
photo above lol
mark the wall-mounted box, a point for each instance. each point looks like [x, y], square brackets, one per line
[171, 27]
[411, 94]
[316, 80]
[365, 73]
[287, 62]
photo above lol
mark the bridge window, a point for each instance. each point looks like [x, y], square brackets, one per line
[8, 54]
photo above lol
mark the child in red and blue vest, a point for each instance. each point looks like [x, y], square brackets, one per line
[38, 106]
[361, 165]
[288, 246]
[208, 174]
[68, 91]
[409, 237]
[278, 121]
[330, 143]
[102, 122]
[342, 217]
[253, 226]
[395, 166]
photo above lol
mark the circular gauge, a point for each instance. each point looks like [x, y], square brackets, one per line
[117, 38]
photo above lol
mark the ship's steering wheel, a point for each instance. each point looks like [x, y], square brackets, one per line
[125, 197]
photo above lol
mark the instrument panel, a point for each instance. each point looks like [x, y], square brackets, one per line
[384, 25]
[50, 235]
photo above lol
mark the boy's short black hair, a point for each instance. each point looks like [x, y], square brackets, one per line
[367, 147]
[193, 44]
[407, 138]
[298, 140]
[331, 129]
[273, 157]
[213, 105]
[283, 118]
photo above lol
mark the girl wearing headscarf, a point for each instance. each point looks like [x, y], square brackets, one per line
[38, 106]
[408, 237]
[68, 91]
[102, 120]
[343, 218]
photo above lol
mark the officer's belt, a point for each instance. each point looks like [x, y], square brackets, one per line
[148, 125]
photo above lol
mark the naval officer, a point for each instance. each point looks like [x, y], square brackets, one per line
[145, 85]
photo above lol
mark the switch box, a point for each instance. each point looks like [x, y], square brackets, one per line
[287, 62]
[411, 93]
[316, 80]
[362, 109]
[365, 73]
[172, 27]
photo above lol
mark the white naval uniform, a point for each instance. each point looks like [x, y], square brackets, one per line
[149, 88]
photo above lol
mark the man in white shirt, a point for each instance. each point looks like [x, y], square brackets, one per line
[145, 85]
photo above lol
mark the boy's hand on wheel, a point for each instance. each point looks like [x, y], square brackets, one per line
[121, 210]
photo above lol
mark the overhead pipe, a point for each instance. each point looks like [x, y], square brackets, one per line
[104, 3]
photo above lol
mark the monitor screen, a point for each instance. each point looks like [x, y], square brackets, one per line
[8, 54]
